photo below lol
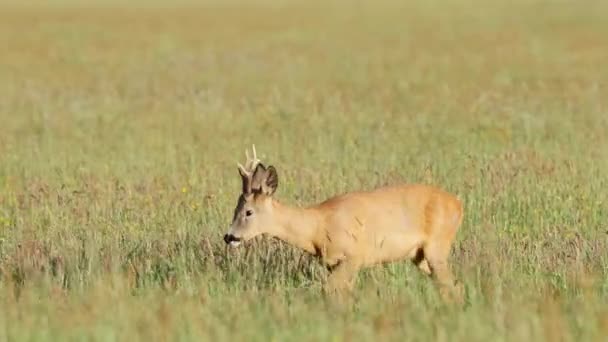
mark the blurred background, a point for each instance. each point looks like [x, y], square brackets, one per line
[121, 125]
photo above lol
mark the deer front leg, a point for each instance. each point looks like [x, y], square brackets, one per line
[343, 276]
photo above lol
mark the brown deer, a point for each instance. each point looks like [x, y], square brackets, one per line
[356, 229]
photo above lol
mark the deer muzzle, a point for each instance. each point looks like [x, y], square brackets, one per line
[232, 240]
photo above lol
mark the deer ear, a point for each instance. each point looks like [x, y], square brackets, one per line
[258, 178]
[270, 184]
[265, 180]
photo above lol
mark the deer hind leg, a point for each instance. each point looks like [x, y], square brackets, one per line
[436, 254]
[438, 270]
[420, 261]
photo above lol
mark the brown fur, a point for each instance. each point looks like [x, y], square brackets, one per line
[361, 229]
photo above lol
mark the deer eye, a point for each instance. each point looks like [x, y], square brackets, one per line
[249, 212]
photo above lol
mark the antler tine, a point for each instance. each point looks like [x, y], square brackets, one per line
[254, 161]
[250, 164]
[241, 168]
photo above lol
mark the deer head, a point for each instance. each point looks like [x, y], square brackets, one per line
[253, 214]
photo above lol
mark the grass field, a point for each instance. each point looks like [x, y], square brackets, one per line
[121, 126]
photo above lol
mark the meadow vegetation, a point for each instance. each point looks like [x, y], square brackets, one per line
[121, 126]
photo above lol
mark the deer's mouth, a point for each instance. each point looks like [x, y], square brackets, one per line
[232, 240]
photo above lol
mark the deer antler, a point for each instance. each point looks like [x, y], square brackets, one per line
[250, 164]
[248, 170]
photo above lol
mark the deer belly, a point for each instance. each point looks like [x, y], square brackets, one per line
[394, 247]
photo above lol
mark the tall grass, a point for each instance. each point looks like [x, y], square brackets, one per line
[121, 126]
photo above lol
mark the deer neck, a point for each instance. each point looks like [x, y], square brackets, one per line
[297, 226]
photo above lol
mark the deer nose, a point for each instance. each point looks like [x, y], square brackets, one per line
[228, 238]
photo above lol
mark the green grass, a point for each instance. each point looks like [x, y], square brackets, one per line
[121, 129]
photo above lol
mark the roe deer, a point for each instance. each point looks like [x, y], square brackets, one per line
[354, 230]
